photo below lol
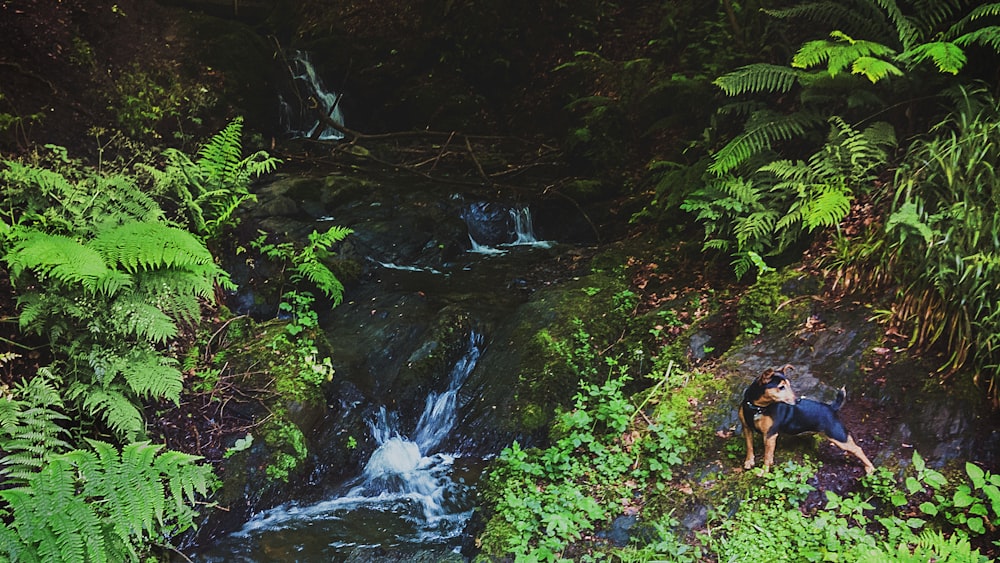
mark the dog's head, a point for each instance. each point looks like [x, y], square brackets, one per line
[776, 386]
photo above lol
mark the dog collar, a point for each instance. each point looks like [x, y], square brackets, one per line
[756, 409]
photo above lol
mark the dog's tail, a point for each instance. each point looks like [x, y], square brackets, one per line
[840, 400]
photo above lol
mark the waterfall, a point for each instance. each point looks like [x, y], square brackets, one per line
[495, 227]
[407, 485]
[299, 119]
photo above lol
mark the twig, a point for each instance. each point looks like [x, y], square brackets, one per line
[475, 161]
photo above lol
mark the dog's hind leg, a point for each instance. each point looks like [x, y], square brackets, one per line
[748, 463]
[851, 447]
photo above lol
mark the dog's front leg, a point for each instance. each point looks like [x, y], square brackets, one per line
[770, 442]
[748, 463]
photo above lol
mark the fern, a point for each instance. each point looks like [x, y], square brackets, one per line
[947, 57]
[147, 373]
[30, 426]
[842, 53]
[58, 256]
[211, 187]
[112, 405]
[148, 246]
[103, 505]
[757, 78]
[762, 131]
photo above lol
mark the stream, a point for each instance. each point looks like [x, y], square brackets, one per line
[444, 273]
[422, 349]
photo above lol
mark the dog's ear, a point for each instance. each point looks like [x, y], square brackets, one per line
[765, 377]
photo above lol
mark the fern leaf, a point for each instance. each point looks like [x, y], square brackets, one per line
[149, 374]
[220, 157]
[323, 278]
[114, 408]
[149, 246]
[948, 57]
[828, 208]
[761, 132]
[757, 78]
[58, 256]
[755, 227]
[909, 35]
[839, 54]
[132, 315]
[862, 20]
[874, 69]
[327, 239]
[988, 36]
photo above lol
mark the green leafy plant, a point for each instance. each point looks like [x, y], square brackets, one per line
[31, 427]
[102, 505]
[212, 186]
[937, 250]
[756, 198]
[604, 451]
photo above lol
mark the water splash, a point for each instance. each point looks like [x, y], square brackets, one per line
[299, 118]
[406, 488]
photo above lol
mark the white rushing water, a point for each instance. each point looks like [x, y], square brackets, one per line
[519, 229]
[298, 118]
[406, 492]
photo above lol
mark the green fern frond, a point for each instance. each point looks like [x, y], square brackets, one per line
[30, 426]
[176, 292]
[763, 130]
[828, 208]
[988, 36]
[948, 57]
[149, 246]
[754, 227]
[874, 69]
[909, 35]
[132, 315]
[219, 158]
[61, 257]
[331, 236]
[103, 505]
[756, 78]
[317, 273]
[111, 406]
[861, 20]
[152, 375]
[844, 52]
[991, 10]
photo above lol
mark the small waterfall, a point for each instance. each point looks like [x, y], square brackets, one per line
[523, 228]
[299, 118]
[406, 486]
[494, 227]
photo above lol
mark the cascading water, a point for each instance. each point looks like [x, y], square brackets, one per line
[494, 227]
[407, 486]
[299, 115]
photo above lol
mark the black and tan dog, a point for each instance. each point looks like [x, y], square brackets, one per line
[771, 408]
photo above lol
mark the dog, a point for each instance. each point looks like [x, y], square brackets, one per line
[771, 408]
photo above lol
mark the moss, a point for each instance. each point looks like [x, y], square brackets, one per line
[776, 303]
[287, 445]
